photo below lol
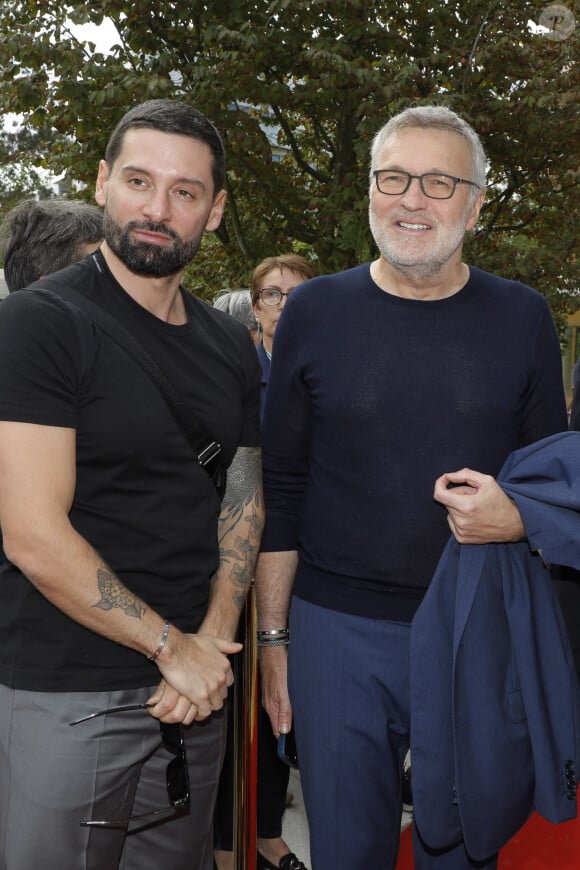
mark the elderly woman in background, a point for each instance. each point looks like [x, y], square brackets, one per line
[238, 303]
[272, 280]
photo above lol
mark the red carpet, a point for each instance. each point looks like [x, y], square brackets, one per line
[405, 860]
[537, 846]
[542, 846]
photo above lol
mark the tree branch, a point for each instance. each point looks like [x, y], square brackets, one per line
[294, 147]
[236, 223]
[474, 46]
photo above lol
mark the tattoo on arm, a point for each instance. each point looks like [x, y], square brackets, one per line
[114, 594]
[241, 520]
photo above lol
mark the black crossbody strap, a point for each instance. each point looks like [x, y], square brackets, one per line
[205, 447]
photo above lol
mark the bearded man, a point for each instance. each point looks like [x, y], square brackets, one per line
[126, 574]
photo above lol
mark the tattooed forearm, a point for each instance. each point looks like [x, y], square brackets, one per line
[114, 594]
[240, 523]
[244, 475]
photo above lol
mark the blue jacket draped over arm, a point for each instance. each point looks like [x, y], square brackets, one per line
[495, 701]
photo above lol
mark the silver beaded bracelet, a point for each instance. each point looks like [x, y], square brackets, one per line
[273, 637]
[281, 641]
[161, 645]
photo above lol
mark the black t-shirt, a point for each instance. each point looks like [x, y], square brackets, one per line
[141, 499]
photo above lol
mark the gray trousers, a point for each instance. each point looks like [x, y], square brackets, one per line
[53, 775]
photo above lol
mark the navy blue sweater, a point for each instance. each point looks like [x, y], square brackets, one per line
[371, 397]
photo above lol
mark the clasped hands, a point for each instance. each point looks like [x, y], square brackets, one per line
[196, 676]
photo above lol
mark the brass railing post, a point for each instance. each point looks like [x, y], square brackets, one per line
[246, 741]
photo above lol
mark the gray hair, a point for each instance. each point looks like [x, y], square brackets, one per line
[238, 303]
[38, 237]
[434, 118]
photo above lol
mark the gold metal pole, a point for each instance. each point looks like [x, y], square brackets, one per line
[246, 741]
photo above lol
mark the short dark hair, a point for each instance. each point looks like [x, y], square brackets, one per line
[38, 237]
[171, 116]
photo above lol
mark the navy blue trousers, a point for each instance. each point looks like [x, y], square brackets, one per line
[349, 687]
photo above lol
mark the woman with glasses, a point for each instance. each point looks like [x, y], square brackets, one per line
[272, 281]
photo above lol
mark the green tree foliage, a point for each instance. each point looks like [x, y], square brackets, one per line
[316, 79]
[19, 178]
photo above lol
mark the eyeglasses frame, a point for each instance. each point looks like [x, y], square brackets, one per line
[280, 293]
[454, 178]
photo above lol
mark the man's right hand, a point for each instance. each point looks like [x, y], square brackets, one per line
[275, 698]
[196, 675]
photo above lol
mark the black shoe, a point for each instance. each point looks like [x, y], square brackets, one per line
[287, 862]
[407, 792]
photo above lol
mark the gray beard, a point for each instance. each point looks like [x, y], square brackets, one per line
[414, 267]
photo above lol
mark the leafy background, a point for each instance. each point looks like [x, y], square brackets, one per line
[310, 81]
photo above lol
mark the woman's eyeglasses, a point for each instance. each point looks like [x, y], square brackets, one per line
[177, 774]
[273, 296]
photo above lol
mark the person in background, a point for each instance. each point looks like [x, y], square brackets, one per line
[391, 383]
[238, 303]
[272, 281]
[127, 567]
[38, 237]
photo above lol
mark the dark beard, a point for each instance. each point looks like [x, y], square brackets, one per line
[142, 258]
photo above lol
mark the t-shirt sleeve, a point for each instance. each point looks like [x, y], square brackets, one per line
[40, 350]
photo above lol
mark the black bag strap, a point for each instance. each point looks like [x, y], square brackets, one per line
[205, 447]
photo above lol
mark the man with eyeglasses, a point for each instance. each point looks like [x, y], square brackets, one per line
[397, 380]
[128, 564]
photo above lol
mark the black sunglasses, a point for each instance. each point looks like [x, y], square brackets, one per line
[177, 774]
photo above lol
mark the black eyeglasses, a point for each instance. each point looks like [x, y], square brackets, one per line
[272, 296]
[435, 185]
[177, 774]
